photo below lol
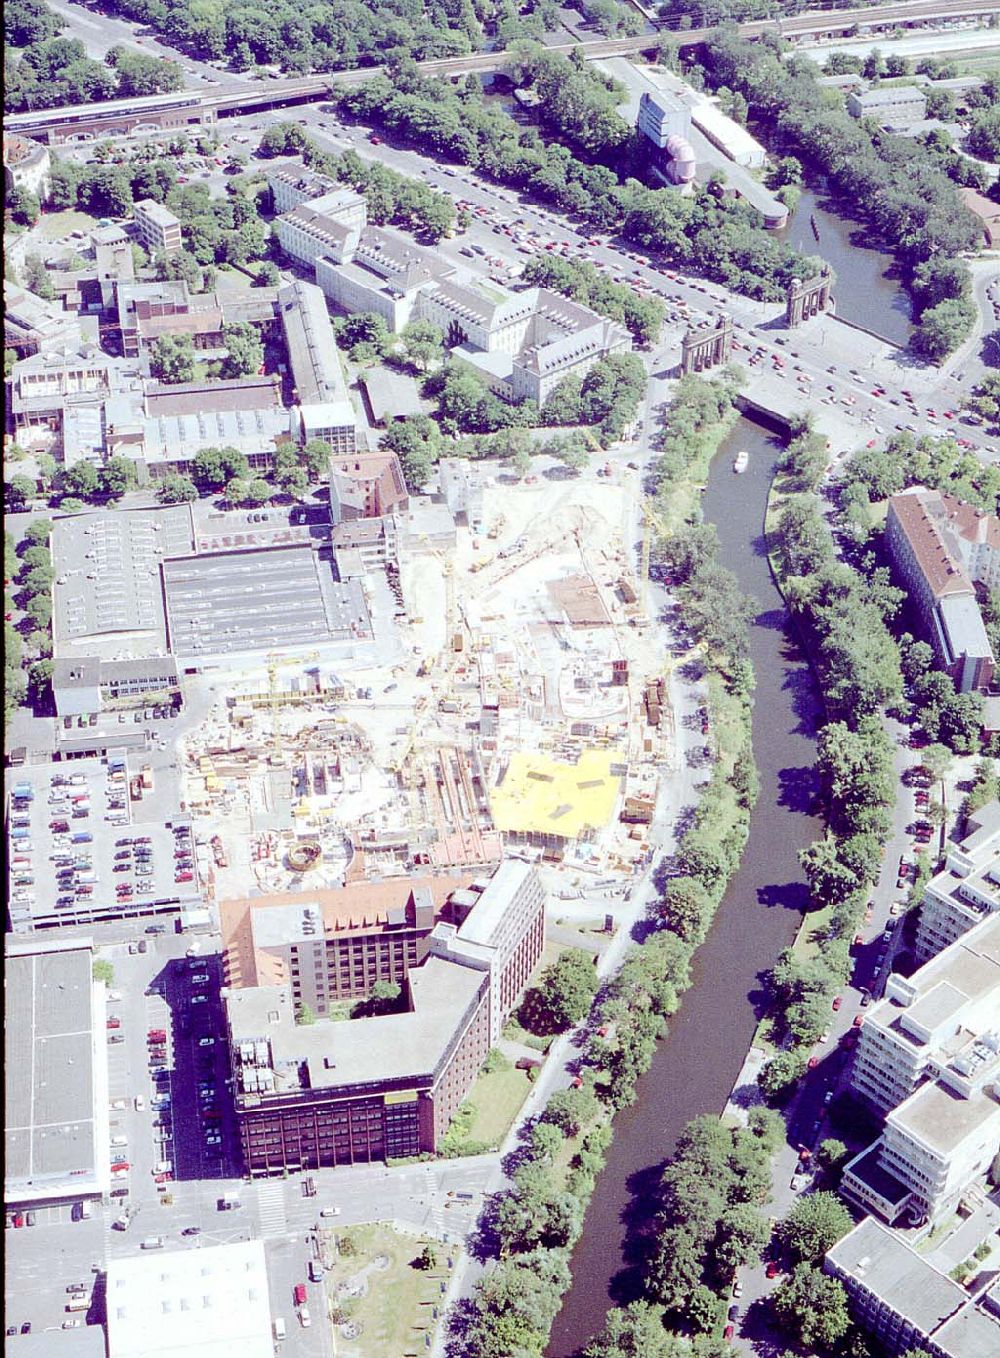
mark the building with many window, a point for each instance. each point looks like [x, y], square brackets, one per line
[889, 105]
[385, 1085]
[901, 1298]
[966, 890]
[522, 344]
[157, 227]
[940, 549]
[929, 1058]
[320, 388]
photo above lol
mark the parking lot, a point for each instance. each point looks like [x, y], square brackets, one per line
[77, 856]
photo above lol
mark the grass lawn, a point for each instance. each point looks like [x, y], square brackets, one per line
[234, 279]
[55, 225]
[497, 1099]
[513, 1032]
[385, 1305]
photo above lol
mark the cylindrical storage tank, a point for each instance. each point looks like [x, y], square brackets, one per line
[682, 159]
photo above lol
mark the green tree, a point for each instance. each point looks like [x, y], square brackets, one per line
[39, 609]
[423, 344]
[304, 1015]
[384, 997]
[172, 359]
[117, 476]
[832, 1155]
[37, 279]
[315, 456]
[686, 908]
[258, 492]
[742, 1236]
[416, 441]
[17, 492]
[104, 972]
[38, 532]
[780, 1076]
[428, 1258]
[814, 1225]
[637, 1331]
[705, 1310]
[562, 995]
[35, 556]
[81, 479]
[943, 327]
[236, 492]
[23, 206]
[174, 490]
[571, 1109]
[814, 1306]
[244, 351]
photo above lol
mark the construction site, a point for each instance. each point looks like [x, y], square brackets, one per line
[524, 709]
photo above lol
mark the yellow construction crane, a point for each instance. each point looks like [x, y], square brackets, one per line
[274, 663]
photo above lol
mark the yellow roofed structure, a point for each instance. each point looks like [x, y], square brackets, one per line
[541, 796]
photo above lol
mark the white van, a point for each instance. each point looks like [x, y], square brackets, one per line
[305, 1319]
[329, 1212]
[154, 1242]
[279, 1329]
[163, 1167]
[119, 1141]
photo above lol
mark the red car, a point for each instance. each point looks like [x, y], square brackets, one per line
[858, 1020]
[838, 1001]
[163, 1179]
[812, 1063]
[183, 876]
[728, 1332]
[114, 1023]
[299, 1294]
[772, 1269]
[118, 1166]
[375, 141]
[157, 1035]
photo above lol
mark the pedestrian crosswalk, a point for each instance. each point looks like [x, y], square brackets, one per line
[271, 1208]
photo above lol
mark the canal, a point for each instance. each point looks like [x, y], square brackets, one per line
[696, 1065]
[866, 291]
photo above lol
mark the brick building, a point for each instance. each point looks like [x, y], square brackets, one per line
[385, 1086]
[940, 549]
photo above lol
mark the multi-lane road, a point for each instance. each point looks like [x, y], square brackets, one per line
[234, 95]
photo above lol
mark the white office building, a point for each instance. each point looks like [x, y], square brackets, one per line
[929, 1057]
[966, 890]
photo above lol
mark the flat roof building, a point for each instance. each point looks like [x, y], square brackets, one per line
[899, 1296]
[32, 325]
[55, 1077]
[929, 1057]
[202, 1303]
[732, 140]
[891, 106]
[966, 890]
[237, 603]
[87, 684]
[338, 1092]
[157, 227]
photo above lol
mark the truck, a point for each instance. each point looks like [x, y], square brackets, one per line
[279, 1329]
